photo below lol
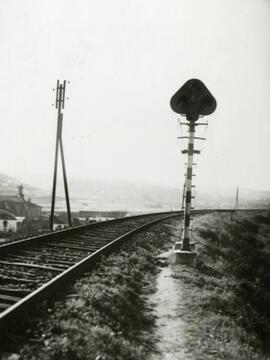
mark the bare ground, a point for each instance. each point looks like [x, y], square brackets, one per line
[198, 314]
[170, 327]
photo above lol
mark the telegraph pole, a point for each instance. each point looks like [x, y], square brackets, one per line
[236, 201]
[236, 205]
[59, 104]
[192, 100]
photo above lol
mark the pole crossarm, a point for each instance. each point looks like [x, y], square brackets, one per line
[197, 124]
[195, 137]
[190, 152]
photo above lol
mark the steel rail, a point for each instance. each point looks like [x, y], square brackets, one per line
[20, 307]
[45, 237]
[51, 235]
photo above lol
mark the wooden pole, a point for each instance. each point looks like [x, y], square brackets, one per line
[65, 183]
[58, 105]
[60, 99]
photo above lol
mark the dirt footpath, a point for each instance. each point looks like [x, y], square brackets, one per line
[200, 312]
[170, 328]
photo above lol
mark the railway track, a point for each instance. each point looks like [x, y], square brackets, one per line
[34, 268]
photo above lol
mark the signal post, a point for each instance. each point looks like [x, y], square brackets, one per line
[192, 100]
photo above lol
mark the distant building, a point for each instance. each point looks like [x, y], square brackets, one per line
[34, 210]
[59, 224]
[42, 226]
[100, 215]
[21, 208]
[8, 221]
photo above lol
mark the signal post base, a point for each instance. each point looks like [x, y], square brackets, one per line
[185, 257]
[178, 246]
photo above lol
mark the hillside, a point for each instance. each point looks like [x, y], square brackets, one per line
[117, 195]
[89, 194]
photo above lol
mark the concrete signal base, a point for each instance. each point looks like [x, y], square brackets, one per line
[178, 246]
[185, 257]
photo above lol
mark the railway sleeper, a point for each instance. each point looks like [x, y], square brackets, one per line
[42, 258]
[14, 279]
[41, 267]
[4, 306]
[14, 271]
[15, 292]
[50, 252]
[37, 261]
[63, 245]
[76, 243]
[9, 298]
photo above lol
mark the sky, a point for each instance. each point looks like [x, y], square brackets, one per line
[124, 60]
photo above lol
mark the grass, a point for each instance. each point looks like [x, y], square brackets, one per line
[228, 295]
[106, 314]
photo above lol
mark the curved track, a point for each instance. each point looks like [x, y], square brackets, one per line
[34, 268]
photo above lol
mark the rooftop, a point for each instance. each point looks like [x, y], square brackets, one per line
[5, 215]
[17, 199]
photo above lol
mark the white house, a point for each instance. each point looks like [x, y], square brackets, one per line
[8, 221]
[59, 224]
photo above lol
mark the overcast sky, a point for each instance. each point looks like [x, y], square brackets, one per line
[124, 60]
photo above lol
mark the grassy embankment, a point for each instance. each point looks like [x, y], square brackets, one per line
[228, 296]
[106, 314]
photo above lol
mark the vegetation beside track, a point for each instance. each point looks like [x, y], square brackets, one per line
[105, 314]
[227, 297]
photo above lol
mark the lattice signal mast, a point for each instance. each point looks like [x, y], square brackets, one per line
[59, 104]
[192, 100]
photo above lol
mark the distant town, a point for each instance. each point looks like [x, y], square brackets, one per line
[21, 217]
[25, 209]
